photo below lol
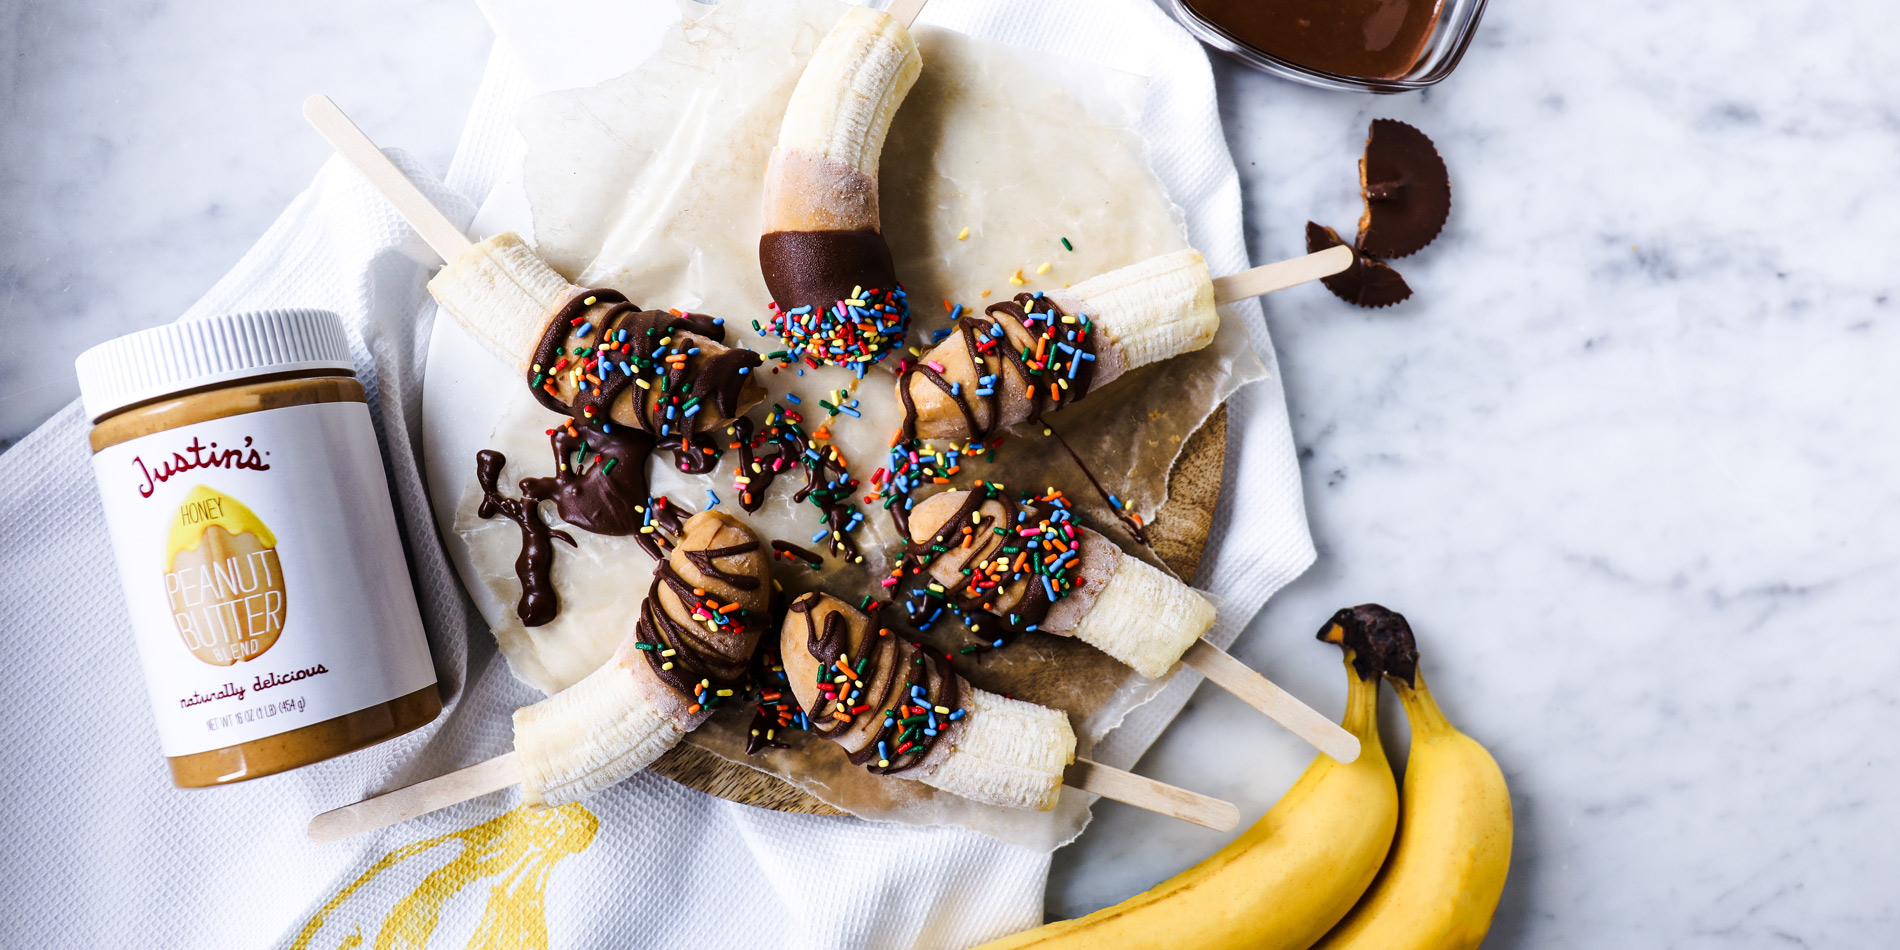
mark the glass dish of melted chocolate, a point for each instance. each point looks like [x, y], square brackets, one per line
[1363, 45]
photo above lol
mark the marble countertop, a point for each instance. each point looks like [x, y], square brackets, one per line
[1623, 460]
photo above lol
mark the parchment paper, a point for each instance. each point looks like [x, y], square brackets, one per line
[651, 184]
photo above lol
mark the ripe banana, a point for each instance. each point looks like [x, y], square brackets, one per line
[502, 294]
[1441, 886]
[1278, 886]
[666, 676]
[1152, 310]
[1145, 618]
[900, 711]
[1008, 752]
[1025, 357]
[1115, 603]
[834, 288]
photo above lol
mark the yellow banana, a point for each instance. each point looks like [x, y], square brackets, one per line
[1442, 883]
[1283, 882]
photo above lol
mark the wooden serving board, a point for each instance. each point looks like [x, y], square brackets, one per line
[1178, 535]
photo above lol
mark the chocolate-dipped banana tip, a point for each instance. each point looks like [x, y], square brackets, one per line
[1406, 188]
[835, 295]
[1369, 282]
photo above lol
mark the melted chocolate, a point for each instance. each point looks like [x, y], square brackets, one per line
[1374, 39]
[1135, 528]
[600, 478]
[911, 724]
[820, 268]
[534, 566]
[789, 549]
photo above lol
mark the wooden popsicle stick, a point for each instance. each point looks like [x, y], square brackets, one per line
[1150, 795]
[411, 801]
[1259, 692]
[1268, 278]
[905, 11]
[436, 229]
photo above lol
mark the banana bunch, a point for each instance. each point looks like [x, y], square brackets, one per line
[1322, 869]
[1442, 883]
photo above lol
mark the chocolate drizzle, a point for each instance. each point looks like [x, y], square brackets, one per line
[901, 682]
[595, 350]
[991, 604]
[686, 655]
[600, 481]
[534, 566]
[1034, 357]
[796, 553]
[616, 343]
[1049, 359]
[1129, 519]
[828, 484]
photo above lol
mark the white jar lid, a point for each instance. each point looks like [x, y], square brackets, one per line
[191, 354]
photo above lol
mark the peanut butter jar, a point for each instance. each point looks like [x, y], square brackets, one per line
[256, 543]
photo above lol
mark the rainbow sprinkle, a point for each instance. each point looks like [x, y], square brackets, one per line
[854, 333]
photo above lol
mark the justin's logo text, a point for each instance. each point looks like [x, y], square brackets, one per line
[195, 456]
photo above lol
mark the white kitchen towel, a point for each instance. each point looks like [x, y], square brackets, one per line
[103, 852]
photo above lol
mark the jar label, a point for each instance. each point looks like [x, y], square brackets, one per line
[223, 579]
[263, 573]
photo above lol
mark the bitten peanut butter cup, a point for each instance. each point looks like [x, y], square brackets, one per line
[1406, 189]
[1369, 282]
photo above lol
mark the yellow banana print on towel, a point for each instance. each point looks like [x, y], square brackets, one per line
[512, 855]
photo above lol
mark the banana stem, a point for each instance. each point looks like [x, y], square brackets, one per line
[1421, 710]
[1362, 705]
